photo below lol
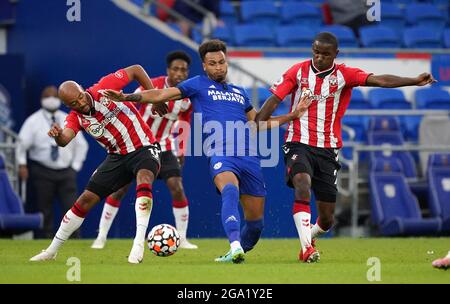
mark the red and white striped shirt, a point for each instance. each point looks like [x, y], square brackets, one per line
[118, 127]
[163, 127]
[320, 126]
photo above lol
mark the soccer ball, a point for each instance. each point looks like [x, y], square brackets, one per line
[163, 240]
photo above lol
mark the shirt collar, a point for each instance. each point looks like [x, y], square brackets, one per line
[322, 74]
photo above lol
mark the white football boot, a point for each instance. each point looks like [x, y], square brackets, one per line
[44, 256]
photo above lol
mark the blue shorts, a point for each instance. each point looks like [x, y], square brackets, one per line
[247, 169]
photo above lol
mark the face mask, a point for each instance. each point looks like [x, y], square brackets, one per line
[51, 103]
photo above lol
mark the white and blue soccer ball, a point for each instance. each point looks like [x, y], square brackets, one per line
[163, 240]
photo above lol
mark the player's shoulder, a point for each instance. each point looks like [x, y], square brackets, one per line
[298, 66]
[237, 89]
[344, 68]
[159, 82]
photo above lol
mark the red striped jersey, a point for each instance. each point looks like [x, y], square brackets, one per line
[118, 127]
[163, 127]
[320, 126]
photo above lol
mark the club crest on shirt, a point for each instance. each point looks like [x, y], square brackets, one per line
[105, 101]
[332, 80]
[277, 83]
[304, 81]
[95, 130]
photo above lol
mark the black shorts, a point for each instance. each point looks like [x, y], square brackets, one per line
[118, 170]
[170, 167]
[320, 163]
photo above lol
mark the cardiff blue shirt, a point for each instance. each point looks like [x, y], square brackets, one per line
[223, 107]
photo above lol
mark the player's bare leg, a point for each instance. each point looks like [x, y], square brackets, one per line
[143, 208]
[71, 221]
[110, 209]
[253, 207]
[228, 185]
[325, 219]
[180, 207]
[302, 216]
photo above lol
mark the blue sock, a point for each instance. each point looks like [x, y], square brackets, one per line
[251, 232]
[230, 213]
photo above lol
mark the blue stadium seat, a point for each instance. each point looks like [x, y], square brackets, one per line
[425, 14]
[432, 98]
[392, 17]
[379, 138]
[384, 123]
[410, 126]
[358, 124]
[12, 216]
[387, 98]
[358, 101]
[228, 13]
[379, 37]
[301, 13]
[223, 33]
[439, 187]
[395, 209]
[294, 36]
[262, 12]
[252, 35]
[344, 34]
[422, 37]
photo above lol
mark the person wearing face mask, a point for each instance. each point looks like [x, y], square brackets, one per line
[51, 170]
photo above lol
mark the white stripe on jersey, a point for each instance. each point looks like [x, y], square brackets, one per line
[321, 109]
[304, 120]
[296, 98]
[337, 97]
[119, 125]
[165, 134]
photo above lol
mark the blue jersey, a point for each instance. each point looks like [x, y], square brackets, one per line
[225, 105]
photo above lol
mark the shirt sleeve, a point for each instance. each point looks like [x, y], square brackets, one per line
[247, 104]
[355, 77]
[286, 84]
[72, 122]
[188, 87]
[114, 81]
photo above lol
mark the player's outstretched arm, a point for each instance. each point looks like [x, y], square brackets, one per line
[61, 136]
[277, 121]
[392, 81]
[267, 109]
[137, 72]
[147, 96]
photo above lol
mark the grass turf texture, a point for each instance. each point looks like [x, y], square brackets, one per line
[403, 260]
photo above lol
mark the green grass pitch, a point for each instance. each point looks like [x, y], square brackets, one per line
[402, 260]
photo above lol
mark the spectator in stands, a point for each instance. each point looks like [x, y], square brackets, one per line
[194, 15]
[51, 170]
[351, 13]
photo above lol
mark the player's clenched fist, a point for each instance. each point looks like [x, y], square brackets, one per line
[55, 131]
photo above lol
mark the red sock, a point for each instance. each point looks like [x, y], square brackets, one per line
[144, 190]
[301, 206]
[180, 204]
[112, 201]
[78, 210]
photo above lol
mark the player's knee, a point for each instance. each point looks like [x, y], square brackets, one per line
[87, 200]
[302, 183]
